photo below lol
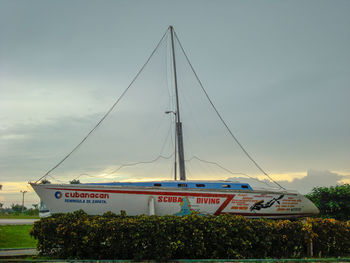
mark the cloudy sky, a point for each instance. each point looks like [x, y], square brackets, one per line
[278, 72]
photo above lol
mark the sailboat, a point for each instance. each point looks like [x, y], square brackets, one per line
[178, 197]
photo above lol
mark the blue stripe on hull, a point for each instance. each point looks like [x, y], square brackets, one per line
[182, 184]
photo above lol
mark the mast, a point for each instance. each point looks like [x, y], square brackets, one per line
[177, 115]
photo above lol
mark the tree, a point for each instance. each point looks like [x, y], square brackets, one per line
[17, 208]
[333, 202]
[74, 181]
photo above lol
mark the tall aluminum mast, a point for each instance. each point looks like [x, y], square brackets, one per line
[177, 115]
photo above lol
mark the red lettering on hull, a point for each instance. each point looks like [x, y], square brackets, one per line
[206, 200]
[169, 199]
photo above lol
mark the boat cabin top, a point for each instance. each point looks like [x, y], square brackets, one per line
[183, 184]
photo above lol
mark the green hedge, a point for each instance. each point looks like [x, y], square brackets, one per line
[80, 236]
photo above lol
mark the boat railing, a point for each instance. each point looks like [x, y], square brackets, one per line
[275, 190]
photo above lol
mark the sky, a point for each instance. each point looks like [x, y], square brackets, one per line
[277, 71]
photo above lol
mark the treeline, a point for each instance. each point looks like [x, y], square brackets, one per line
[80, 236]
[16, 209]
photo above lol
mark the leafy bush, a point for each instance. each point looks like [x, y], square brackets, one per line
[331, 237]
[80, 236]
[333, 202]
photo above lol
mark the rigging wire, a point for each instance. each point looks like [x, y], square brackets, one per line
[60, 181]
[166, 138]
[107, 113]
[160, 156]
[85, 174]
[142, 162]
[225, 169]
[222, 120]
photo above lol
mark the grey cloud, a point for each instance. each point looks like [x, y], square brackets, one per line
[34, 147]
[303, 185]
[314, 179]
[278, 73]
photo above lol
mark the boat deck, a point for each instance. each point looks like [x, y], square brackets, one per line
[183, 184]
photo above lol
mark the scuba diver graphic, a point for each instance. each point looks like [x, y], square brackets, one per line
[260, 204]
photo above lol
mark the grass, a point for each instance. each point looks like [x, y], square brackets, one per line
[19, 216]
[16, 236]
[312, 260]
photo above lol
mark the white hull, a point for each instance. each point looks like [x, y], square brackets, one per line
[97, 200]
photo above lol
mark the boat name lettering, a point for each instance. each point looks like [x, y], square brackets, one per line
[87, 195]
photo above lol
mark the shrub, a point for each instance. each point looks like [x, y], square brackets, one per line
[333, 202]
[80, 236]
